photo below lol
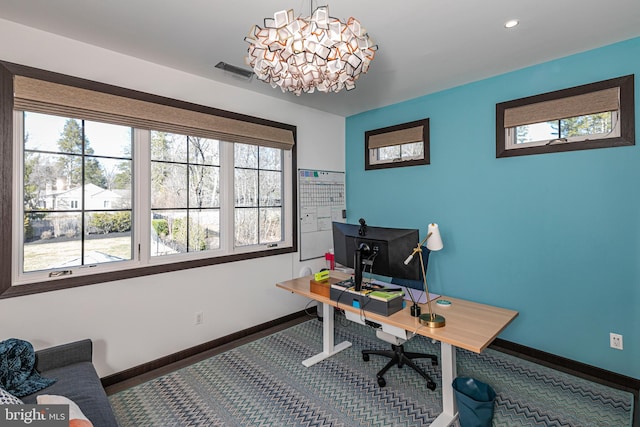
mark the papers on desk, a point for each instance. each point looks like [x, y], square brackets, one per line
[418, 295]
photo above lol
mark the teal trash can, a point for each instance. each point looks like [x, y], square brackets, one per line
[475, 401]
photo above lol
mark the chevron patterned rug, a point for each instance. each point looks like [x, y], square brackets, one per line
[263, 383]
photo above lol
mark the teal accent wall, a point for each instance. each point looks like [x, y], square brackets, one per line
[553, 236]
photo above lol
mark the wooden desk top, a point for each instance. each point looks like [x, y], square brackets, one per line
[469, 325]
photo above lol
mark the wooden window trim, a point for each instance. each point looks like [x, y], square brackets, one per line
[372, 140]
[627, 118]
[7, 73]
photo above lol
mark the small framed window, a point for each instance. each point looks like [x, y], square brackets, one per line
[595, 115]
[401, 145]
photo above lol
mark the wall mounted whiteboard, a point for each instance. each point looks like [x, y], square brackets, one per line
[321, 196]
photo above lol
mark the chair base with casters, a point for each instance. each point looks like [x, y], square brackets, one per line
[400, 358]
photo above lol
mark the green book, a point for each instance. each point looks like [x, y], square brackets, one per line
[385, 296]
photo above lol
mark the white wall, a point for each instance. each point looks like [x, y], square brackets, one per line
[138, 320]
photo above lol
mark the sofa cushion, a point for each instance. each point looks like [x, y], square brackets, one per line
[76, 417]
[80, 383]
[7, 398]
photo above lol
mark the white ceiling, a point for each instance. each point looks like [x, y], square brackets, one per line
[424, 45]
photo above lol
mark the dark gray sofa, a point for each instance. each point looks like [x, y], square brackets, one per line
[71, 365]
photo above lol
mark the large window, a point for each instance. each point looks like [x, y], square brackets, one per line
[113, 184]
[596, 115]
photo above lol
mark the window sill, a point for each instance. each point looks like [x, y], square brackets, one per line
[9, 291]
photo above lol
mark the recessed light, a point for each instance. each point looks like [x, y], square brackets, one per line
[511, 23]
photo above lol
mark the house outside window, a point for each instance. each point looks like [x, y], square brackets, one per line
[66, 165]
[155, 187]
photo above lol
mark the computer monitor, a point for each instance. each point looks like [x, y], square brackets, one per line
[376, 250]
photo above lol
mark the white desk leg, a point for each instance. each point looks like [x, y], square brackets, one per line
[449, 410]
[328, 349]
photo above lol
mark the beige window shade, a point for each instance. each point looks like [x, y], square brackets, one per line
[54, 98]
[397, 137]
[556, 109]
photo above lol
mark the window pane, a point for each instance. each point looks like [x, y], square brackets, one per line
[203, 151]
[169, 147]
[160, 235]
[413, 150]
[108, 237]
[42, 131]
[270, 225]
[246, 226]
[93, 173]
[71, 141]
[52, 133]
[43, 180]
[246, 187]
[592, 124]
[204, 187]
[69, 171]
[245, 156]
[270, 158]
[389, 153]
[204, 230]
[168, 185]
[169, 232]
[270, 188]
[118, 182]
[108, 140]
[536, 132]
[51, 240]
[172, 233]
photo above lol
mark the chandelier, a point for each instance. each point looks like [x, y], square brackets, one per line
[308, 53]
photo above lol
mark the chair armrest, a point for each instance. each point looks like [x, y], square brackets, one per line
[64, 355]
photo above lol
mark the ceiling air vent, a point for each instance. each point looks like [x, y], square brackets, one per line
[235, 71]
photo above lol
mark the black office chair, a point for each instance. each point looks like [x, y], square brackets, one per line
[397, 354]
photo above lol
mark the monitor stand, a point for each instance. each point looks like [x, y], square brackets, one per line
[363, 250]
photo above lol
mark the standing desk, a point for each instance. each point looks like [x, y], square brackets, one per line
[469, 325]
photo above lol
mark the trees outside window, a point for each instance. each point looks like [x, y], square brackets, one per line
[185, 193]
[595, 115]
[78, 205]
[258, 195]
[406, 144]
[130, 183]
[66, 193]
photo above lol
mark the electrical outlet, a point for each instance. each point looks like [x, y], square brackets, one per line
[199, 318]
[615, 341]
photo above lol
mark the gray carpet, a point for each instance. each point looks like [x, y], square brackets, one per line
[264, 383]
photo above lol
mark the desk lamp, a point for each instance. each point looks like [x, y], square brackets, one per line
[434, 243]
